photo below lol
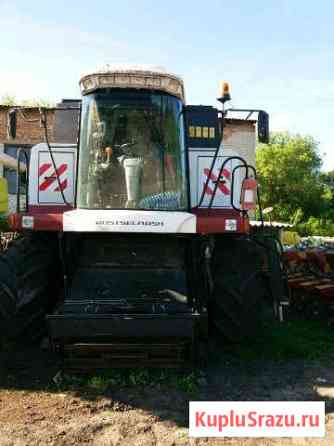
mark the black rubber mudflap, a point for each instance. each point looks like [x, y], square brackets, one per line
[240, 289]
[29, 280]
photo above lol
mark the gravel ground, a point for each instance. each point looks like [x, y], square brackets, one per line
[34, 411]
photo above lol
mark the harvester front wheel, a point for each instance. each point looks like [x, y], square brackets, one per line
[29, 281]
[240, 291]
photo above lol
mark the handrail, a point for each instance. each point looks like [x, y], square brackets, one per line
[243, 165]
[232, 187]
[230, 158]
[18, 180]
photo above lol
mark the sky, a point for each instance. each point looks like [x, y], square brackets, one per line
[277, 55]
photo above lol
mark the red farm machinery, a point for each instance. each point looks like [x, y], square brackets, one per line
[135, 244]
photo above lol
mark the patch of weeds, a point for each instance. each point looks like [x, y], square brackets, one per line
[140, 377]
[98, 383]
[310, 340]
[187, 383]
[122, 378]
[70, 382]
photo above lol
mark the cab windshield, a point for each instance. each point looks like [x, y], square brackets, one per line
[132, 151]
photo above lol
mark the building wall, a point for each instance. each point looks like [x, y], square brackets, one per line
[29, 128]
[29, 131]
[241, 136]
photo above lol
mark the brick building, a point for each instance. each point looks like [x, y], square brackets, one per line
[62, 124]
[29, 128]
[29, 131]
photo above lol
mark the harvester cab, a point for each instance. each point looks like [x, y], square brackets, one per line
[140, 232]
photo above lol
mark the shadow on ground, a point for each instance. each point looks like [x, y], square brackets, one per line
[265, 370]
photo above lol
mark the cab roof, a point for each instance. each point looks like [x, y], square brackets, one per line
[133, 76]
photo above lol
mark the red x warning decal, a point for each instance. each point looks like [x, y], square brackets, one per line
[221, 184]
[48, 181]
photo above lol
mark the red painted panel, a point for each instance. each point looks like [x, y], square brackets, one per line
[43, 168]
[49, 180]
[46, 218]
[42, 222]
[212, 221]
[49, 209]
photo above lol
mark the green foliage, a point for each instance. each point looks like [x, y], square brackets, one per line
[39, 102]
[138, 378]
[328, 181]
[316, 226]
[98, 383]
[297, 217]
[311, 340]
[293, 184]
[187, 383]
[290, 177]
[10, 100]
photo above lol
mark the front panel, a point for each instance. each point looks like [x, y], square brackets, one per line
[200, 165]
[44, 188]
[48, 185]
[203, 138]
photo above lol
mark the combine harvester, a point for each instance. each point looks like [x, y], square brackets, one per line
[136, 245]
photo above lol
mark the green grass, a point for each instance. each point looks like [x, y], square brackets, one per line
[125, 378]
[311, 340]
[308, 340]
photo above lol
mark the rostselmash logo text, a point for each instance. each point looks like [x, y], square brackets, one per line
[128, 223]
[257, 419]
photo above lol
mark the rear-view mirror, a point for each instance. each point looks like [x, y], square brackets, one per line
[263, 127]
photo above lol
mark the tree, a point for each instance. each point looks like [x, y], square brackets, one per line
[10, 100]
[328, 181]
[290, 178]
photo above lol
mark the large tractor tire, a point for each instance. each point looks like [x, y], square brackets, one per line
[29, 283]
[241, 294]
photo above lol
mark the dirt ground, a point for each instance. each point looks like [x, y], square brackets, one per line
[36, 411]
